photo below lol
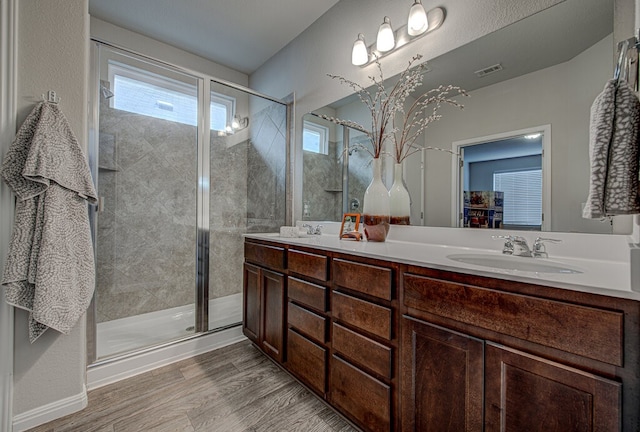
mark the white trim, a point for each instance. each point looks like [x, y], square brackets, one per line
[110, 372]
[457, 147]
[49, 412]
[8, 103]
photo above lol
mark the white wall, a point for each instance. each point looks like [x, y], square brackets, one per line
[52, 55]
[123, 38]
[8, 52]
[560, 96]
[325, 47]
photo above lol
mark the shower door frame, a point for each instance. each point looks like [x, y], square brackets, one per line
[202, 195]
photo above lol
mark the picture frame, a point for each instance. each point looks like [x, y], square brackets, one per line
[350, 224]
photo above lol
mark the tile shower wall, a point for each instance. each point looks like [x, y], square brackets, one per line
[322, 180]
[146, 234]
[227, 214]
[322, 184]
[266, 169]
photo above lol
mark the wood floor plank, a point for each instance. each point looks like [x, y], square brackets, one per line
[233, 389]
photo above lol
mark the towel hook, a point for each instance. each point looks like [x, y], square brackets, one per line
[51, 97]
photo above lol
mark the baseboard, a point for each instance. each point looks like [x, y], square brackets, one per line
[119, 369]
[51, 411]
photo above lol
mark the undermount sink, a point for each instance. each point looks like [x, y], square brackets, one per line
[508, 262]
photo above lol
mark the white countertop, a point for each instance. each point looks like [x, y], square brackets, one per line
[611, 277]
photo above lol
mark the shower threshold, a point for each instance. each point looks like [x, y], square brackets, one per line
[140, 331]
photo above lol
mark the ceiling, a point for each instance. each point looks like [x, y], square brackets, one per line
[240, 34]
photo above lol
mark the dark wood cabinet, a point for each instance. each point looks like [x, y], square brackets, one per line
[264, 299]
[273, 307]
[360, 396]
[442, 379]
[252, 303]
[264, 309]
[402, 347]
[307, 319]
[526, 392]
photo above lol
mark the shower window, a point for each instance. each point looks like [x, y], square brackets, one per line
[147, 93]
[315, 138]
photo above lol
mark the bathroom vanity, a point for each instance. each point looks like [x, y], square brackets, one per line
[421, 344]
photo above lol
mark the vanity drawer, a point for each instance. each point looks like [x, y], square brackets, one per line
[360, 395]
[587, 331]
[307, 322]
[373, 280]
[307, 361]
[309, 294]
[266, 256]
[362, 314]
[308, 264]
[362, 350]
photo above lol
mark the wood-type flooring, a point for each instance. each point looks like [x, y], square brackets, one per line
[232, 389]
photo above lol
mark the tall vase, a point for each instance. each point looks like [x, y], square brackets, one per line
[399, 200]
[375, 208]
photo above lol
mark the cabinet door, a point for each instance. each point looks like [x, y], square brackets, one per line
[273, 317]
[442, 379]
[528, 393]
[251, 298]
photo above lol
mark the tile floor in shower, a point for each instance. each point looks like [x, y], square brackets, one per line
[127, 334]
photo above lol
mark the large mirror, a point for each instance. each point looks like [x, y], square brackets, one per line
[540, 74]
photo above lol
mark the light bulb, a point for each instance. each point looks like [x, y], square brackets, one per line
[359, 54]
[386, 40]
[417, 22]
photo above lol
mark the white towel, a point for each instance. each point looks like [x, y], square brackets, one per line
[50, 267]
[614, 148]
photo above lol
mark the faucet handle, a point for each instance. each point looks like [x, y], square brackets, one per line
[309, 228]
[507, 249]
[318, 229]
[539, 248]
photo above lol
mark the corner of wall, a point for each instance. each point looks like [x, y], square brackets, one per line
[49, 375]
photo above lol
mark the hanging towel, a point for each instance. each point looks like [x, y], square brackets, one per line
[614, 149]
[49, 269]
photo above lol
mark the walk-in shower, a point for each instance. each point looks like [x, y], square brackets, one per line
[184, 165]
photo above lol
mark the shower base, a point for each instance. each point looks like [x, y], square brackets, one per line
[140, 331]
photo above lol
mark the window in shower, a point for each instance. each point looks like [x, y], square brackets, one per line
[143, 92]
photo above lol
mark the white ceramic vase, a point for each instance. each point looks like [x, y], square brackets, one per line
[399, 200]
[375, 207]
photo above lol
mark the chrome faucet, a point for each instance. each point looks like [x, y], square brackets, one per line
[317, 230]
[539, 249]
[515, 245]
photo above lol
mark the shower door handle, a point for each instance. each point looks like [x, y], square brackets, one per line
[100, 204]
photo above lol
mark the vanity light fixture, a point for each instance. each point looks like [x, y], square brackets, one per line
[418, 24]
[359, 54]
[386, 40]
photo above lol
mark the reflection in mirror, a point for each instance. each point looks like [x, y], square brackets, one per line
[511, 164]
[341, 168]
[552, 66]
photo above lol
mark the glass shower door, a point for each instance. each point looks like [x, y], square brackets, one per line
[247, 165]
[146, 222]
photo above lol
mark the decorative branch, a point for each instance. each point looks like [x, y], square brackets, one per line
[389, 118]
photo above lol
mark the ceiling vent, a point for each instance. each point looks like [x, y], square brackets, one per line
[489, 70]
